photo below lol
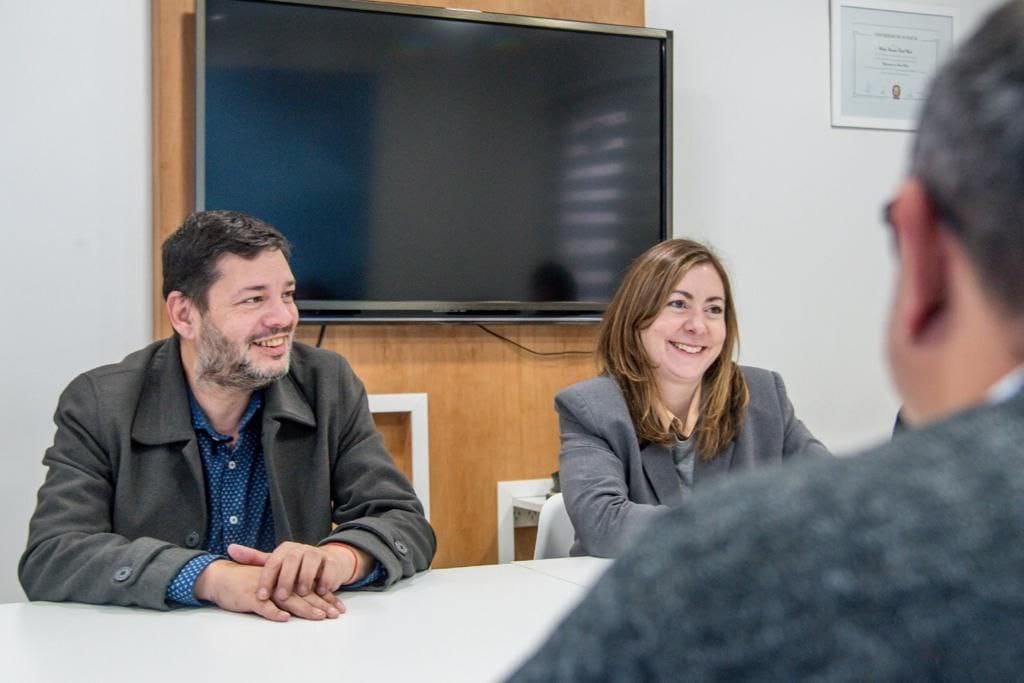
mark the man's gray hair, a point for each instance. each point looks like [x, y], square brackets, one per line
[969, 151]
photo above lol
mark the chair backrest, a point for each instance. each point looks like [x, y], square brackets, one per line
[555, 534]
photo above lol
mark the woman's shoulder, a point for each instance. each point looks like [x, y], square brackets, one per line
[759, 377]
[598, 395]
[595, 388]
[766, 388]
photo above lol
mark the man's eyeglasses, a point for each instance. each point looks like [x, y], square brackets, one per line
[887, 215]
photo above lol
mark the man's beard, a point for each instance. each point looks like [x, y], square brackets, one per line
[220, 363]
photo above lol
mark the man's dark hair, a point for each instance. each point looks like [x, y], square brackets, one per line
[190, 255]
[969, 152]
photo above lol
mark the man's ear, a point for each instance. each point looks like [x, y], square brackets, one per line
[182, 313]
[924, 263]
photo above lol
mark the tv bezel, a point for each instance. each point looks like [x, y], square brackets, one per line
[345, 311]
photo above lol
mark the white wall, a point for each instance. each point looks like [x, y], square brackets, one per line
[75, 215]
[792, 204]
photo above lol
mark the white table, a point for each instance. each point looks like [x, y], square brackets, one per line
[582, 571]
[466, 624]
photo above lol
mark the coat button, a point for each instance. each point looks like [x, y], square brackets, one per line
[122, 573]
[401, 547]
[192, 540]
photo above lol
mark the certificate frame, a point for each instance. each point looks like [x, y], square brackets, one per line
[883, 55]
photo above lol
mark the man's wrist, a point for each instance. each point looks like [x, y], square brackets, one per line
[181, 589]
[362, 562]
[205, 587]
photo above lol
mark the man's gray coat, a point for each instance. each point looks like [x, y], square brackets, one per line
[123, 506]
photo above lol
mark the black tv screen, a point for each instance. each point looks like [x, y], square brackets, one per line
[436, 164]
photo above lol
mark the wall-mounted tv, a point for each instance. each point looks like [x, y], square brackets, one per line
[433, 164]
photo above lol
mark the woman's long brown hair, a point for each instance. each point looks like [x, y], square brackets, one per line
[640, 298]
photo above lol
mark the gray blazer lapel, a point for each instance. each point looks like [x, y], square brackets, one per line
[661, 473]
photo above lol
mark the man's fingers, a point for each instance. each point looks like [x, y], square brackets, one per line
[300, 607]
[238, 590]
[268, 577]
[331, 577]
[328, 604]
[295, 568]
[337, 569]
[243, 554]
[268, 610]
[329, 599]
[313, 562]
[286, 577]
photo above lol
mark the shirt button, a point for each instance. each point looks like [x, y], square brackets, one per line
[122, 573]
[232, 465]
[233, 519]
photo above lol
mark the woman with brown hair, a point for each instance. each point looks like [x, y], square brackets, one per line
[670, 409]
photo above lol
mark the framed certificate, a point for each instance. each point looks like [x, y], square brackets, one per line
[883, 57]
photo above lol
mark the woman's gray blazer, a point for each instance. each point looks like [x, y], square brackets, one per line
[613, 487]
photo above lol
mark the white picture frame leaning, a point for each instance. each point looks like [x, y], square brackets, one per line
[883, 55]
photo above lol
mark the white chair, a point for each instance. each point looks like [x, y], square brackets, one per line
[555, 534]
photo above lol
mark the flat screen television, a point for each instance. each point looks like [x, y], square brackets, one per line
[431, 164]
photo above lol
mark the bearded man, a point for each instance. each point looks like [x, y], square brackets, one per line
[228, 464]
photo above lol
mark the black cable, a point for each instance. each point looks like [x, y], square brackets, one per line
[320, 339]
[529, 350]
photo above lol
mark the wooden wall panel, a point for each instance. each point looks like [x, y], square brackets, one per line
[397, 433]
[490, 404]
[626, 12]
[491, 415]
[173, 68]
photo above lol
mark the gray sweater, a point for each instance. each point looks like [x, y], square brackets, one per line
[905, 563]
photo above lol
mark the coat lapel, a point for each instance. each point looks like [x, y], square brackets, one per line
[661, 473]
[289, 451]
[284, 401]
[162, 416]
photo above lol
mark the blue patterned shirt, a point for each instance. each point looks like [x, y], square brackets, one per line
[237, 498]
